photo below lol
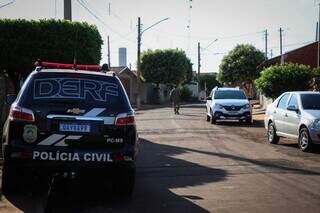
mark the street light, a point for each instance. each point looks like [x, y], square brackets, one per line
[210, 44]
[158, 22]
[139, 55]
[6, 4]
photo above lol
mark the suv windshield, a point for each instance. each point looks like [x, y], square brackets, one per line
[74, 89]
[229, 94]
[310, 101]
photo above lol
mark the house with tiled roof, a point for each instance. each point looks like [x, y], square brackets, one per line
[128, 79]
[303, 55]
[307, 55]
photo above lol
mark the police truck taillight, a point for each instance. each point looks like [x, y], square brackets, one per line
[125, 119]
[20, 113]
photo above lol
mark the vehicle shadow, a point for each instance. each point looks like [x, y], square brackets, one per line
[255, 123]
[158, 173]
[290, 143]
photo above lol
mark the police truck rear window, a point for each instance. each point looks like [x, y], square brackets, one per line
[75, 89]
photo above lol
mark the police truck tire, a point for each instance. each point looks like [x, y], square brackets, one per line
[124, 181]
[9, 179]
[208, 118]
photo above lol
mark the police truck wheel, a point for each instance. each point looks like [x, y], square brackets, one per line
[208, 118]
[9, 179]
[124, 181]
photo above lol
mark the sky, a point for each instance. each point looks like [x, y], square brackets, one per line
[221, 24]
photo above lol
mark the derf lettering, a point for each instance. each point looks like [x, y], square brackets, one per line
[73, 88]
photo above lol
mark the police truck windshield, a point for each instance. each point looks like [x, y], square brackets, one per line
[75, 89]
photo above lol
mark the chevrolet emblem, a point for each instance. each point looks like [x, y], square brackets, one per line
[75, 111]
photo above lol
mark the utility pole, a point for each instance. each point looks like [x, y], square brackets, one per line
[199, 64]
[138, 64]
[55, 9]
[109, 63]
[281, 30]
[138, 98]
[266, 43]
[318, 53]
[67, 10]
[317, 31]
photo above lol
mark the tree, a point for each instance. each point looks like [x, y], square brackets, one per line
[189, 75]
[22, 42]
[185, 93]
[168, 66]
[210, 80]
[278, 79]
[240, 65]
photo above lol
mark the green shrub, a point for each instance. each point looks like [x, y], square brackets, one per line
[277, 79]
[22, 42]
[167, 66]
[185, 93]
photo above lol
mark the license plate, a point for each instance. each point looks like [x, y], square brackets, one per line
[74, 127]
[233, 113]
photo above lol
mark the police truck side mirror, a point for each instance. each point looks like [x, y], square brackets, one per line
[209, 98]
[10, 99]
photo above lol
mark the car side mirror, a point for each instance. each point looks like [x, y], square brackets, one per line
[293, 108]
[249, 99]
[10, 99]
[209, 98]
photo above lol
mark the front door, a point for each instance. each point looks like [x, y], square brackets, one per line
[293, 117]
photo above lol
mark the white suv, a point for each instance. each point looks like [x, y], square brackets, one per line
[228, 104]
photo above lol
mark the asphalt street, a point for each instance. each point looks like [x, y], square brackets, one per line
[186, 164]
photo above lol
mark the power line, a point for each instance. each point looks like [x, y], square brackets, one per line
[293, 44]
[211, 37]
[189, 24]
[7, 4]
[83, 4]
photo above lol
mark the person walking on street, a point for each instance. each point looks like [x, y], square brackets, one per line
[175, 99]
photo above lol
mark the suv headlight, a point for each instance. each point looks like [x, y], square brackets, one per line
[218, 106]
[315, 124]
[247, 106]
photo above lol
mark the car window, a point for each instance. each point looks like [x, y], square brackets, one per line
[229, 94]
[293, 101]
[310, 101]
[283, 101]
[81, 90]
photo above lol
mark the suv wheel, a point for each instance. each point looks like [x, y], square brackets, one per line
[213, 120]
[273, 138]
[249, 120]
[305, 142]
[208, 118]
[124, 180]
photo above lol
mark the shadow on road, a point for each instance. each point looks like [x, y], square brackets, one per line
[293, 144]
[158, 173]
[256, 123]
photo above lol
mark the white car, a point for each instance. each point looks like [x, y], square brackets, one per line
[228, 104]
[295, 115]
